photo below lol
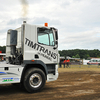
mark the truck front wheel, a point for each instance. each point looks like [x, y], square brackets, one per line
[34, 80]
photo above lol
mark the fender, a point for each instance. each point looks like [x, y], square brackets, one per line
[26, 62]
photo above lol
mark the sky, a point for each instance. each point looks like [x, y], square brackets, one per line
[77, 21]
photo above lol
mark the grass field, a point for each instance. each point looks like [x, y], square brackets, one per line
[80, 68]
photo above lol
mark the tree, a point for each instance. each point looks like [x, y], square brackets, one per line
[3, 49]
[73, 56]
[77, 56]
[80, 53]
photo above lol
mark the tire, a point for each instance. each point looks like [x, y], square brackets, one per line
[34, 80]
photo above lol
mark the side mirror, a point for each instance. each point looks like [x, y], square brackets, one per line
[56, 42]
[56, 35]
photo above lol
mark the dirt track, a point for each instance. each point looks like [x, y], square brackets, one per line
[69, 86]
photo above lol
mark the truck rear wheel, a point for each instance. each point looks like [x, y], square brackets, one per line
[34, 80]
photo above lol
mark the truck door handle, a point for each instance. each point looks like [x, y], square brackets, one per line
[36, 56]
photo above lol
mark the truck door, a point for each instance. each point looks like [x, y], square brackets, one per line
[47, 41]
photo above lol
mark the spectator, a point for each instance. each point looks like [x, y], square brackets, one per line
[68, 61]
[2, 59]
[64, 62]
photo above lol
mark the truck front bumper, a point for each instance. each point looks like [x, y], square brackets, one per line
[52, 77]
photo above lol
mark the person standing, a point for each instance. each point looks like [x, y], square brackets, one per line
[2, 59]
[68, 61]
[64, 62]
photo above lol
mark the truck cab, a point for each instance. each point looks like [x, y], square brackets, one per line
[31, 56]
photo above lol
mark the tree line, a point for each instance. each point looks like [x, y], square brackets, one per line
[80, 53]
[3, 49]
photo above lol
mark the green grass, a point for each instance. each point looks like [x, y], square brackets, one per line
[80, 68]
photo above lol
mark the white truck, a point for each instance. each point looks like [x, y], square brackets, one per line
[31, 57]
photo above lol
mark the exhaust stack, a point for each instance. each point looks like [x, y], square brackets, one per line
[24, 22]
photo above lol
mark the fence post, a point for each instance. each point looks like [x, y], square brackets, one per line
[98, 65]
[88, 66]
[79, 65]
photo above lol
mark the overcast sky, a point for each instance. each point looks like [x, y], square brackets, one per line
[77, 21]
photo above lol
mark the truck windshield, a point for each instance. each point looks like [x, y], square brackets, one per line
[45, 36]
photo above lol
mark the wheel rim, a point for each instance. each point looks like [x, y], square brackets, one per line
[35, 80]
